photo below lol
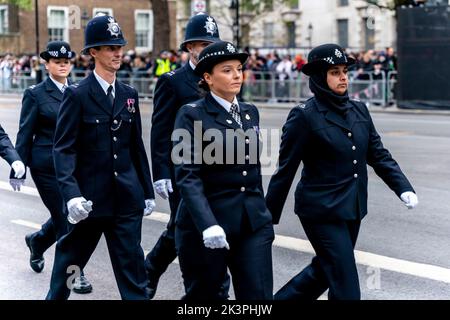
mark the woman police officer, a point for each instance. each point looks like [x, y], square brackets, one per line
[40, 106]
[222, 220]
[336, 139]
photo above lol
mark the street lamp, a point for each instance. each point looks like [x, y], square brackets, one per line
[234, 11]
[310, 30]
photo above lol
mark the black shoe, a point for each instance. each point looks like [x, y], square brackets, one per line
[36, 259]
[82, 285]
[152, 284]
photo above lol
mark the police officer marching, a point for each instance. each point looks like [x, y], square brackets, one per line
[173, 90]
[102, 168]
[336, 139]
[222, 221]
[34, 143]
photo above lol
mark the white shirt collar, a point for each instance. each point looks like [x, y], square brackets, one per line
[224, 103]
[105, 85]
[58, 84]
[192, 65]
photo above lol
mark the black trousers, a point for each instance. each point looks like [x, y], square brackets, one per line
[56, 226]
[249, 261]
[332, 268]
[164, 252]
[123, 237]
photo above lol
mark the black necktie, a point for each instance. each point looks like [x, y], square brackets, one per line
[64, 87]
[235, 114]
[110, 96]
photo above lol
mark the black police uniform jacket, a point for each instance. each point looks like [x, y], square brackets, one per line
[99, 153]
[335, 155]
[173, 90]
[7, 150]
[40, 106]
[222, 194]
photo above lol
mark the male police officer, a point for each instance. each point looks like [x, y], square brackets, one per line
[102, 168]
[173, 90]
[11, 156]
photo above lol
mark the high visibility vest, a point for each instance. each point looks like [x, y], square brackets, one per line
[162, 66]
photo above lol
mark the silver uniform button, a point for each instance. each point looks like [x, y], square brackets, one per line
[114, 138]
[115, 156]
[115, 173]
[115, 121]
[353, 148]
[96, 120]
[244, 173]
[355, 161]
[349, 134]
[247, 157]
[242, 189]
[355, 175]
[247, 141]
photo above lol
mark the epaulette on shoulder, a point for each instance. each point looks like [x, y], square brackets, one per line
[192, 105]
[129, 86]
[32, 87]
[75, 85]
[301, 106]
[171, 73]
[356, 99]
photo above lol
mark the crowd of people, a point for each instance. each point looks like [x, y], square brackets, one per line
[142, 65]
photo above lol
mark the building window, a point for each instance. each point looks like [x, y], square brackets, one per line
[290, 26]
[268, 34]
[293, 4]
[369, 33]
[144, 29]
[105, 11]
[3, 19]
[57, 23]
[342, 25]
[343, 3]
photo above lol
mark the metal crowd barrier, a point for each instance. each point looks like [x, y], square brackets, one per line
[374, 89]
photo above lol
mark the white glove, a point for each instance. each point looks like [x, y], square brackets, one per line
[410, 199]
[16, 183]
[149, 206]
[162, 187]
[215, 238]
[19, 169]
[79, 209]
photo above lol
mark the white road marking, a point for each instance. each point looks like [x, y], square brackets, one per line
[421, 270]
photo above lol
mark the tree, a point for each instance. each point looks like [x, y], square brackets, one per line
[23, 4]
[161, 26]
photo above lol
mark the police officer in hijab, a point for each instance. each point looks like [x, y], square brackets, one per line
[102, 168]
[222, 221]
[173, 90]
[34, 143]
[336, 139]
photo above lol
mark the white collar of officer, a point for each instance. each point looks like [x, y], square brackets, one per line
[58, 84]
[105, 85]
[224, 103]
[192, 65]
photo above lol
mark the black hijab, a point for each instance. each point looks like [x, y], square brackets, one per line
[318, 85]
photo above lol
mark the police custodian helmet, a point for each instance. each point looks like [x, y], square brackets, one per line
[324, 56]
[200, 27]
[102, 30]
[218, 52]
[57, 50]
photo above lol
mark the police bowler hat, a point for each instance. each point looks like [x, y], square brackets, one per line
[324, 56]
[102, 30]
[57, 50]
[218, 52]
[200, 27]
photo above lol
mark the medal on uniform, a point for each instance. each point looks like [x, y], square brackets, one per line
[130, 105]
